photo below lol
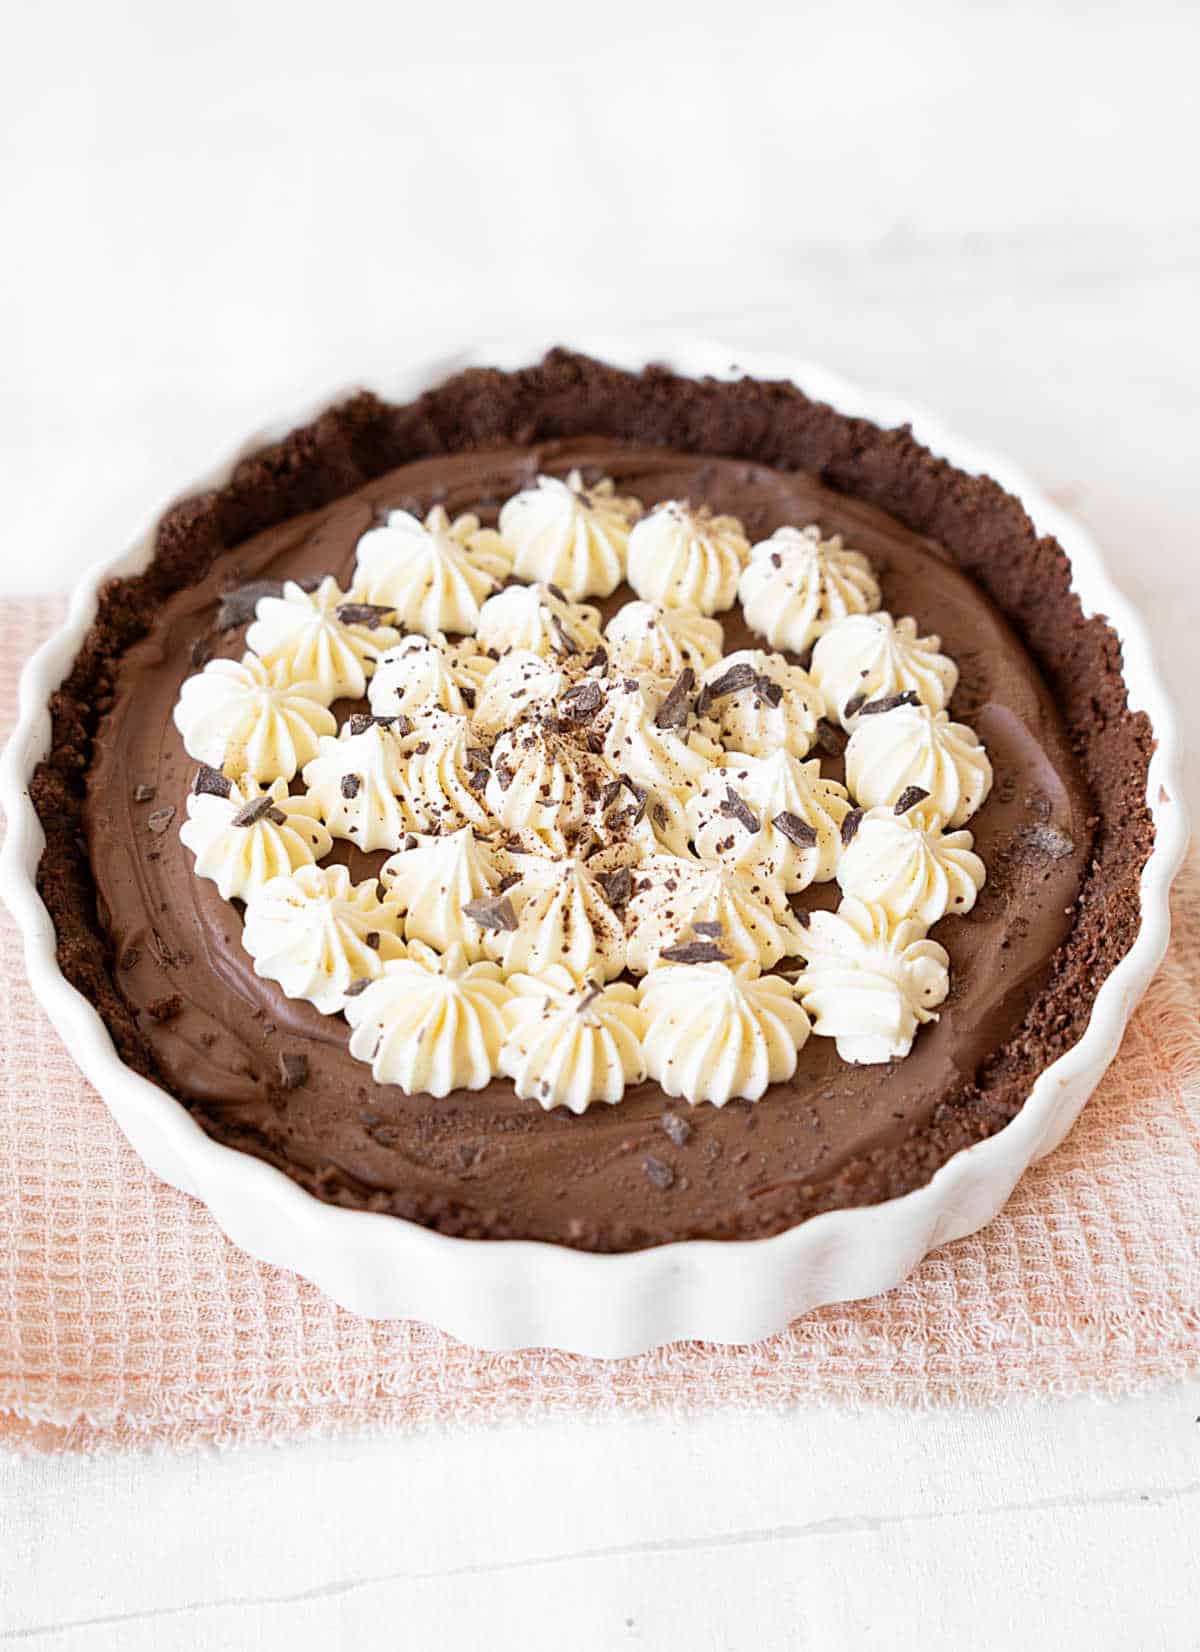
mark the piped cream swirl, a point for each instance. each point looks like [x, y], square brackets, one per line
[358, 783]
[420, 673]
[910, 868]
[775, 816]
[570, 1044]
[646, 637]
[871, 656]
[714, 1032]
[314, 635]
[435, 574]
[570, 535]
[245, 718]
[316, 933]
[796, 585]
[677, 900]
[538, 618]
[870, 983]
[760, 704]
[682, 557]
[431, 1024]
[893, 752]
[269, 843]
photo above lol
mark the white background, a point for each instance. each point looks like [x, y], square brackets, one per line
[212, 213]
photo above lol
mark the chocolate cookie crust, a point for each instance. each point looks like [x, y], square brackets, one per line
[985, 530]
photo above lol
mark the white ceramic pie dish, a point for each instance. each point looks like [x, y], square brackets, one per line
[512, 1294]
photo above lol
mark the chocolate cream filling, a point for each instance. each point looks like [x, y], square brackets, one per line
[275, 1078]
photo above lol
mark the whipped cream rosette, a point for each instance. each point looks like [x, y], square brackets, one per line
[436, 575]
[243, 836]
[775, 816]
[759, 703]
[653, 740]
[571, 1043]
[540, 619]
[435, 879]
[796, 585]
[358, 782]
[909, 867]
[870, 983]
[678, 901]
[559, 915]
[645, 637]
[320, 636]
[566, 534]
[683, 557]
[243, 717]
[547, 782]
[521, 682]
[430, 1024]
[900, 750]
[317, 934]
[714, 1032]
[446, 773]
[419, 673]
[867, 657]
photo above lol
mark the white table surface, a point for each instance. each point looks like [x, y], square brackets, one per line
[991, 208]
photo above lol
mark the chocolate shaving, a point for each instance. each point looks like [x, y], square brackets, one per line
[591, 993]
[658, 1174]
[210, 782]
[738, 809]
[854, 705]
[351, 786]
[610, 794]
[239, 606]
[293, 1069]
[677, 1129]
[909, 798]
[509, 881]
[556, 591]
[492, 912]
[355, 987]
[796, 831]
[362, 721]
[160, 820]
[617, 886]
[709, 929]
[696, 952]
[738, 677]
[563, 640]
[598, 658]
[889, 702]
[468, 695]
[257, 809]
[673, 713]
[851, 824]
[766, 688]
[201, 653]
[830, 738]
[582, 701]
[143, 794]
[369, 614]
[372, 939]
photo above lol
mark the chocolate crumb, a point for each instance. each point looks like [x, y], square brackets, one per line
[909, 798]
[851, 824]
[143, 794]
[1043, 839]
[160, 819]
[678, 1129]
[293, 1069]
[210, 782]
[166, 1009]
[796, 831]
[492, 912]
[658, 1174]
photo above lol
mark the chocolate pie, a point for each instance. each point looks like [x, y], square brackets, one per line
[596, 807]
